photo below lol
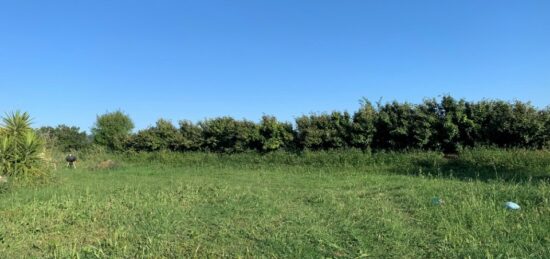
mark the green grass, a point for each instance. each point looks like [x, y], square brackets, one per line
[313, 205]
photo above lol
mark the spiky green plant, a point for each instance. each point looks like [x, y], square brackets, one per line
[21, 149]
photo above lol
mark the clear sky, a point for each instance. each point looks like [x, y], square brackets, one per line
[68, 61]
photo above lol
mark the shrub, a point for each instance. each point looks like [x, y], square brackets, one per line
[324, 131]
[112, 130]
[168, 134]
[363, 127]
[144, 140]
[190, 136]
[456, 128]
[228, 135]
[544, 135]
[445, 124]
[393, 124]
[274, 134]
[22, 151]
[163, 136]
[506, 124]
[65, 138]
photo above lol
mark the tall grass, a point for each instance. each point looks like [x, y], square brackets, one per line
[476, 163]
[308, 205]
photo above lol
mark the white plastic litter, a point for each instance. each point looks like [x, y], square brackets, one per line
[512, 206]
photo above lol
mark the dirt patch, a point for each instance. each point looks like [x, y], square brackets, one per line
[106, 165]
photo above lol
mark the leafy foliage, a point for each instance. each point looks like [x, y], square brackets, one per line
[446, 124]
[66, 138]
[163, 136]
[226, 134]
[112, 130]
[190, 136]
[395, 126]
[363, 128]
[21, 149]
[324, 131]
[275, 135]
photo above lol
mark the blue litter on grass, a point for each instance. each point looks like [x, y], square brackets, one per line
[437, 201]
[512, 206]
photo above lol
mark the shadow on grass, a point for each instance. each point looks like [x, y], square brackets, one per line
[464, 169]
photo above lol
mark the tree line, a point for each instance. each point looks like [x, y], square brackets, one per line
[446, 124]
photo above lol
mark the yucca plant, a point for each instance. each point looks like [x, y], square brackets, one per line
[22, 151]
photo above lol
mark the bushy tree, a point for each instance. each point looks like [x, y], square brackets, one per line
[228, 135]
[144, 140]
[446, 125]
[526, 125]
[456, 127]
[393, 125]
[274, 134]
[423, 127]
[363, 126]
[168, 134]
[163, 136]
[191, 136]
[112, 130]
[324, 131]
[506, 124]
[544, 135]
[66, 138]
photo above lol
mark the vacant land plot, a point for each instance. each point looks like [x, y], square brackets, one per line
[204, 206]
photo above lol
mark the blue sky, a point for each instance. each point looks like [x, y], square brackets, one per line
[68, 61]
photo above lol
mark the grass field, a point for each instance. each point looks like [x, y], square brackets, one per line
[281, 205]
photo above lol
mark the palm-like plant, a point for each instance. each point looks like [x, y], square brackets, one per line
[21, 149]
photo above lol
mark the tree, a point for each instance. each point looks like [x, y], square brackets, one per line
[168, 135]
[228, 135]
[66, 138]
[112, 130]
[363, 128]
[424, 125]
[544, 135]
[191, 136]
[507, 124]
[163, 136]
[324, 131]
[144, 140]
[274, 134]
[393, 125]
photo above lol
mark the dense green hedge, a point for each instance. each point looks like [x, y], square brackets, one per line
[444, 124]
[65, 138]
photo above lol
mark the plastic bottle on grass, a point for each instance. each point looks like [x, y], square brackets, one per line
[511, 205]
